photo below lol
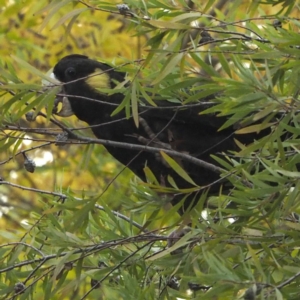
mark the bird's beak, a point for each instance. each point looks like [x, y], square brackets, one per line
[65, 109]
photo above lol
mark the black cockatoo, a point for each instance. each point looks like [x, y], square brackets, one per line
[180, 129]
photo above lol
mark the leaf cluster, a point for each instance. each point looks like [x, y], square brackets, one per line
[78, 227]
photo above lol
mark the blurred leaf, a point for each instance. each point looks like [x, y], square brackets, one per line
[253, 128]
[168, 67]
[70, 15]
[33, 70]
[167, 25]
[53, 7]
[134, 104]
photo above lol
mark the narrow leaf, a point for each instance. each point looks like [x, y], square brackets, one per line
[169, 67]
[254, 128]
[71, 14]
[167, 25]
[134, 104]
[177, 168]
[32, 69]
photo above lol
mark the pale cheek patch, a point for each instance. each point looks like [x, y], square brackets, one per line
[99, 80]
[52, 80]
[62, 106]
[52, 76]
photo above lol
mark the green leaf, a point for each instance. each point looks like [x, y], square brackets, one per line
[167, 25]
[7, 105]
[177, 168]
[33, 70]
[49, 100]
[224, 62]
[254, 128]
[150, 176]
[20, 86]
[46, 100]
[134, 104]
[190, 15]
[126, 101]
[18, 143]
[181, 243]
[168, 67]
[266, 111]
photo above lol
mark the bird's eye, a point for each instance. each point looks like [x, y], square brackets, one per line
[70, 72]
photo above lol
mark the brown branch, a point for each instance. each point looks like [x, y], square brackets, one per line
[288, 281]
[116, 12]
[87, 140]
[90, 249]
[24, 188]
[116, 267]
[24, 151]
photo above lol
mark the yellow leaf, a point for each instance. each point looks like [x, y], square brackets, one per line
[254, 128]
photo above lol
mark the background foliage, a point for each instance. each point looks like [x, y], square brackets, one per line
[83, 227]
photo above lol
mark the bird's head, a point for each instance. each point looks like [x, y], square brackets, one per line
[83, 81]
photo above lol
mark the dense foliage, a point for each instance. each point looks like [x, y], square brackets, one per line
[75, 224]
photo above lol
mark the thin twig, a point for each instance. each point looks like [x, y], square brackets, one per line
[63, 196]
